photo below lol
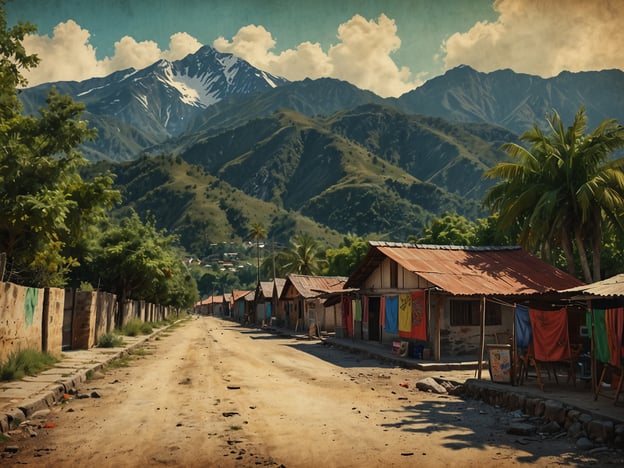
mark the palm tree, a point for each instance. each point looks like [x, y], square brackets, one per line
[304, 257]
[562, 189]
[257, 232]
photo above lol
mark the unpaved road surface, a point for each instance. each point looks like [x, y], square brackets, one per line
[212, 393]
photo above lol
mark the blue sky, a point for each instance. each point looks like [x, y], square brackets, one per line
[387, 46]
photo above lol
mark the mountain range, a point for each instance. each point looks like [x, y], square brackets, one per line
[319, 153]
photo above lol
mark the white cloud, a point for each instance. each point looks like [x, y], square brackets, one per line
[68, 54]
[65, 56]
[362, 56]
[543, 38]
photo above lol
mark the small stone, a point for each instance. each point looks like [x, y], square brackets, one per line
[11, 449]
[41, 414]
[584, 443]
[550, 428]
[95, 394]
[429, 384]
[520, 428]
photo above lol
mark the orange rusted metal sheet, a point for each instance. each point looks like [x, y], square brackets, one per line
[313, 286]
[505, 271]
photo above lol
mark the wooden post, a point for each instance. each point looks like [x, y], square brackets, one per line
[514, 353]
[437, 351]
[482, 338]
[3, 258]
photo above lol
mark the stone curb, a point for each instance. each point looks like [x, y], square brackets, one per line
[578, 422]
[54, 392]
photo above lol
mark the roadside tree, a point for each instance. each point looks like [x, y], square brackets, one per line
[136, 261]
[561, 190]
[343, 260]
[304, 257]
[46, 208]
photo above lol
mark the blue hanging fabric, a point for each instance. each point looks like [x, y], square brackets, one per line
[391, 324]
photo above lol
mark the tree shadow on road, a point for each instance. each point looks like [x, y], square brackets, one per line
[475, 424]
[338, 357]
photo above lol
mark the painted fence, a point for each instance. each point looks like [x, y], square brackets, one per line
[55, 320]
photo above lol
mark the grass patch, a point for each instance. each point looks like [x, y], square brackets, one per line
[110, 340]
[136, 327]
[123, 361]
[140, 351]
[26, 362]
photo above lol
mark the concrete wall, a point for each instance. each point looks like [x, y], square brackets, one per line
[30, 318]
[83, 323]
[143, 311]
[52, 340]
[105, 313]
[52, 319]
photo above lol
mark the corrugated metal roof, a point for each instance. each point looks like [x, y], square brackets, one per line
[311, 286]
[279, 285]
[610, 287]
[242, 294]
[505, 271]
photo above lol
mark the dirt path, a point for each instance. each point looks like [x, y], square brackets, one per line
[212, 393]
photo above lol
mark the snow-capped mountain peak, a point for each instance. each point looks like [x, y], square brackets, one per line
[160, 98]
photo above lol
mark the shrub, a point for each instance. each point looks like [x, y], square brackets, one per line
[132, 328]
[137, 327]
[110, 340]
[26, 362]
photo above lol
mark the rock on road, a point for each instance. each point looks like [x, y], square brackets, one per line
[213, 393]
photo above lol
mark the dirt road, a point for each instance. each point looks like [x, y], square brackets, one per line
[212, 393]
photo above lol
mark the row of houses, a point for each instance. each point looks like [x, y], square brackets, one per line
[452, 301]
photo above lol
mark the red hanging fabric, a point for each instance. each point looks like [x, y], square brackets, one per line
[419, 315]
[550, 334]
[347, 315]
[614, 319]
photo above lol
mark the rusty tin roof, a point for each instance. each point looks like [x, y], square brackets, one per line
[610, 287]
[502, 271]
[313, 286]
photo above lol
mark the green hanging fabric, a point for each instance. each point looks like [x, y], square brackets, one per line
[601, 344]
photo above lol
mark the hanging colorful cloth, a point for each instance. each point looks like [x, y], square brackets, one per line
[550, 334]
[358, 310]
[391, 324]
[419, 315]
[522, 324]
[614, 322]
[347, 316]
[405, 315]
[601, 343]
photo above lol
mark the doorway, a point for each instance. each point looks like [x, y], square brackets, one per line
[373, 319]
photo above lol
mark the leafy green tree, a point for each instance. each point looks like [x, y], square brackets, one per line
[136, 261]
[343, 260]
[562, 190]
[304, 257]
[450, 229]
[45, 206]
